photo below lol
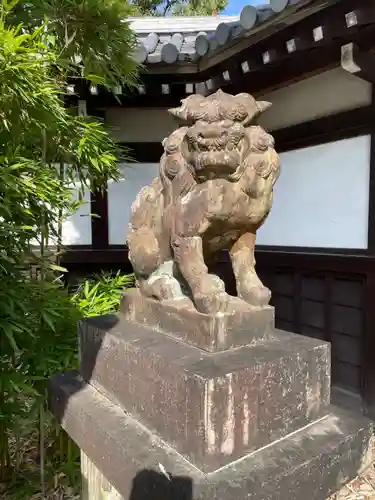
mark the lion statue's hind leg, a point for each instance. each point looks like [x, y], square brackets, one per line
[148, 248]
[155, 277]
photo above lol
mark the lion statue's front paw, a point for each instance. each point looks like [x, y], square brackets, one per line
[211, 303]
[257, 295]
[210, 296]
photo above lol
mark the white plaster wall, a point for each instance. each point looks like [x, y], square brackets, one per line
[322, 95]
[76, 229]
[140, 124]
[122, 194]
[321, 198]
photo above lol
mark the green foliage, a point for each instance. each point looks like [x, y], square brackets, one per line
[38, 338]
[178, 7]
[200, 8]
[34, 122]
[44, 148]
[101, 295]
[91, 37]
[48, 327]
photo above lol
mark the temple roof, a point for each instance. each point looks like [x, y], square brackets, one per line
[170, 40]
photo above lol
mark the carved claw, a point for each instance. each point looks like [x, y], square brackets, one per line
[211, 303]
[210, 296]
[258, 296]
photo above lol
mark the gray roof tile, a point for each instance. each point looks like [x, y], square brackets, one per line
[188, 38]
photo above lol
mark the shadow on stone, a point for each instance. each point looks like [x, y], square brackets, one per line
[108, 322]
[151, 485]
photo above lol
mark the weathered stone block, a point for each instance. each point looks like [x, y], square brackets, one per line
[241, 325]
[213, 408]
[311, 463]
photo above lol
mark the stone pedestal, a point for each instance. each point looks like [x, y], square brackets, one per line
[229, 409]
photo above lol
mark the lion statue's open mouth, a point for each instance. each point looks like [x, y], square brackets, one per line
[219, 147]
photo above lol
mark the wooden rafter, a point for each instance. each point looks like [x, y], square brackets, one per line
[358, 62]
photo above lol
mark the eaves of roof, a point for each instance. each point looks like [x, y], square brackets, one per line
[194, 43]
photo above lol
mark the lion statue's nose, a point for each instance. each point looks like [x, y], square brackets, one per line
[212, 132]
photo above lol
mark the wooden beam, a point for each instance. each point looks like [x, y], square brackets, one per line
[153, 99]
[368, 345]
[284, 69]
[99, 219]
[371, 208]
[99, 257]
[297, 46]
[280, 25]
[345, 262]
[311, 260]
[330, 128]
[144, 152]
[362, 15]
[358, 62]
[99, 202]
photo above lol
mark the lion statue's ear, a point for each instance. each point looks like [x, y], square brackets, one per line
[181, 114]
[178, 113]
[263, 105]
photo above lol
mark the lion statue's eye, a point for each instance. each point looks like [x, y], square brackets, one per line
[262, 144]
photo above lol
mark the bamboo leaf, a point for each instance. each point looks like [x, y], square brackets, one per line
[48, 319]
[54, 267]
[8, 330]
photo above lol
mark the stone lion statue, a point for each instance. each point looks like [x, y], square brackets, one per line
[214, 191]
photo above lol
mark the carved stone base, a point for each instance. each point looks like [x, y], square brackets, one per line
[213, 407]
[132, 463]
[252, 422]
[241, 325]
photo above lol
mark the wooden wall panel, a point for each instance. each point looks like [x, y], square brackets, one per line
[325, 305]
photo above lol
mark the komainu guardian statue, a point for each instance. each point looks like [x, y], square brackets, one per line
[214, 191]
